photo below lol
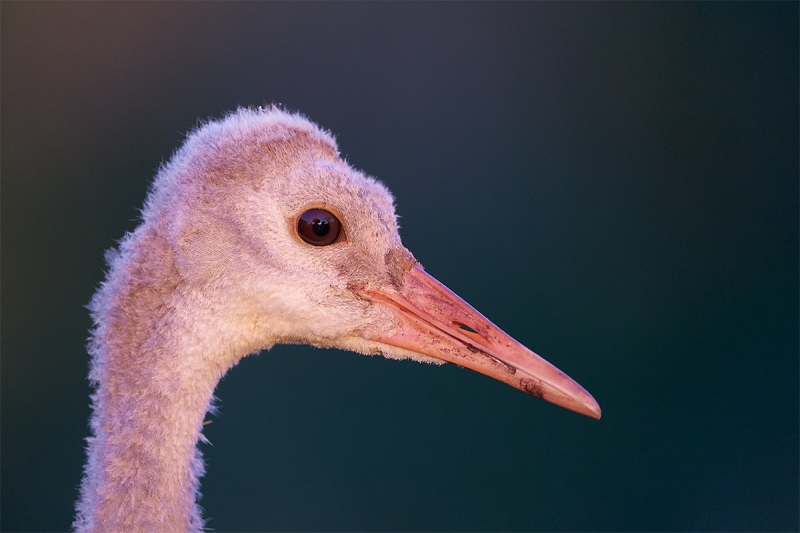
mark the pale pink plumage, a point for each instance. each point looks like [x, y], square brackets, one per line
[216, 271]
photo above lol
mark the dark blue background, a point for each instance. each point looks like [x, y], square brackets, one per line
[614, 184]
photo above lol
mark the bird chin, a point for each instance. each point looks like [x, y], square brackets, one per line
[371, 347]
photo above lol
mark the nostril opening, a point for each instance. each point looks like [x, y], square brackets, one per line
[464, 327]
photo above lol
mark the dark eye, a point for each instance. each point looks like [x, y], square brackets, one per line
[318, 227]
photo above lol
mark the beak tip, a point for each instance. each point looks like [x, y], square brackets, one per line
[591, 408]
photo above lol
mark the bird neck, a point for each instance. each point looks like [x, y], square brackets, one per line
[155, 364]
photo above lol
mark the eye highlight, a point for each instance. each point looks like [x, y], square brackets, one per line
[318, 227]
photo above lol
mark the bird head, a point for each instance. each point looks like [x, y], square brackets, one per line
[296, 246]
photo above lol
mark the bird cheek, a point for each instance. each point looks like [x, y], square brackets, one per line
[378, 321]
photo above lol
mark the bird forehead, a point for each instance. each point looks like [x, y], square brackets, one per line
[338, 186]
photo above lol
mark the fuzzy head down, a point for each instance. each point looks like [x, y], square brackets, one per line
[216, 270]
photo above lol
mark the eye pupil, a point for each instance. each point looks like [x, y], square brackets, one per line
[321, 227]
[318, 227]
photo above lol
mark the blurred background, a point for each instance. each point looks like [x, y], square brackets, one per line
[614, 184]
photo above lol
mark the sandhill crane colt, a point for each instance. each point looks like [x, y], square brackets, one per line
[256, 233]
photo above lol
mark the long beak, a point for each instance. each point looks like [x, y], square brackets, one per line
[434, 321]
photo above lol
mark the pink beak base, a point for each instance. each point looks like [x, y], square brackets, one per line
[432, 320]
